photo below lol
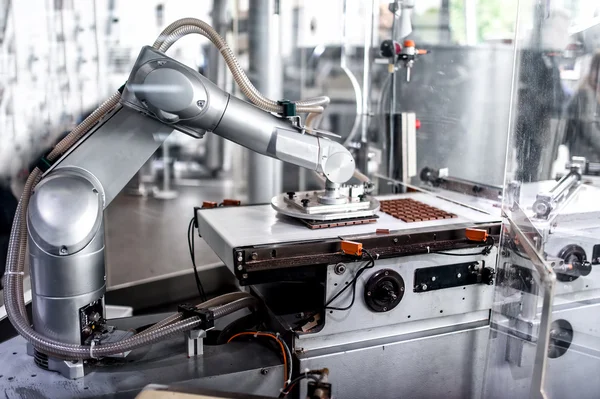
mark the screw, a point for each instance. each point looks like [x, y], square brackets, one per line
[63, 250]
[386, 273]
[291, 194]
[240, 267]
[240, 257]
[368, 293]
[254, 256]
[424, 287]
[385, 309]
[244, 275]
[200, 103]
[395, 241]
[264, 371]
[305, 202]
[402, 289]
[162, 63]
[433, 278]
[339, 269]
[459, 275]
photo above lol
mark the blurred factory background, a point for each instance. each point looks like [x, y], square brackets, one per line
[59, 59]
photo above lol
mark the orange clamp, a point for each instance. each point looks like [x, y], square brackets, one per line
[209, 204]
[476, 235]
[352, 248]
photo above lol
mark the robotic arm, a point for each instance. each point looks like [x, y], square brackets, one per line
[65, 212]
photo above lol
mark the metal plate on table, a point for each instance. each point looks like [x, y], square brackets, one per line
[283, 205]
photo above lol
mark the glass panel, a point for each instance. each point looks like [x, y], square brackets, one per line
[457, 84]
[545, 324]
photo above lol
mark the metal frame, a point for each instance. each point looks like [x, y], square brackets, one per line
[252, 259]
[548, 279]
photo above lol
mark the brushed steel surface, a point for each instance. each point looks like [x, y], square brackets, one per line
[417, 311]
[146, 237]
[448, 365]
[234, 367]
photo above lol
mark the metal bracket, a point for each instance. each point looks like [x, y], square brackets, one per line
[195, 342]
[71, 369]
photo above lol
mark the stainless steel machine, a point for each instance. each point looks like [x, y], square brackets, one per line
[422, 284]
[343, 293]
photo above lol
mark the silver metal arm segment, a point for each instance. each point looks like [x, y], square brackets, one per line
[182, 98]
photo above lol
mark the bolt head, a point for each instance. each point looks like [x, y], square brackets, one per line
[424, 287]
[368, 293]
[254, 256]
[433, 278]
[386, 273]
[459, 275]
[240, 267]
[201, 103]
[395, 240]
[385, 309]
[339, 269]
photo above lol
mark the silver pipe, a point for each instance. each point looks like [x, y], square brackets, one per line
[264, 174]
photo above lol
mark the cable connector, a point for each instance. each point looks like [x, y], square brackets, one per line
[206, 316]
[44, 163]
[288, 108]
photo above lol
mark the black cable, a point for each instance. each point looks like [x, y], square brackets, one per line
[191, 247]
[352, 283]
[485, 251]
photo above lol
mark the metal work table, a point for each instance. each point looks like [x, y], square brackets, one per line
[244, 367]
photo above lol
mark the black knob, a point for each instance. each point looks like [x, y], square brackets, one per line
[575, 263]
[389, 48]
[305, 202]
[384, 290]
[291, 194]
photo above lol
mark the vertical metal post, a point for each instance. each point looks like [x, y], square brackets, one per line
[166, 193]
[471, 22]
[444, 24]
[216, 73]
[366, 89]
[392, 127]
[264, 174]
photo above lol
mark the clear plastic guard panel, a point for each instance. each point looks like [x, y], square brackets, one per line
[545, 321]
[440, 121]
